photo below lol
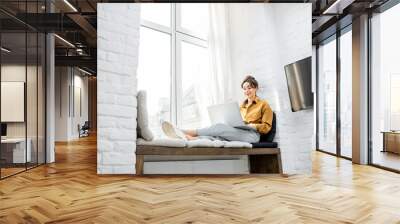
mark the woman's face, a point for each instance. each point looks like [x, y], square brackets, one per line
[248, 90]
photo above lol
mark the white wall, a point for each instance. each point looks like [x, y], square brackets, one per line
[67, 79]
[117, 59]
[264, 38]
[81, 114]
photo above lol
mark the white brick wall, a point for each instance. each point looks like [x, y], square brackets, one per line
[117, 59]
[264, 38]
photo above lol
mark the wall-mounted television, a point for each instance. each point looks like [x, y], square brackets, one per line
[299, 82]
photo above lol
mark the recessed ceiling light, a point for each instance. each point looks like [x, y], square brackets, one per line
[337, 7]
[84, 71]
[70, 5]
[64, 40]
[5, 50]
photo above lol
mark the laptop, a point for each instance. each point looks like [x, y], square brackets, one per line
[228, 113]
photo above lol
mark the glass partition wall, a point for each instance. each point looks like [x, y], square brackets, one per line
[334, 104]
[22, 98]
[385, 90]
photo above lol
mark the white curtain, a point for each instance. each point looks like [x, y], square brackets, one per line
[219, 54]
[215, 87]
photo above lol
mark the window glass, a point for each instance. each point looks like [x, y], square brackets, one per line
[32, 93]
[327, 96]
[195, 18]
[154, 75]
[385, 87]
[159, 13]
[346, 94]
[194, 66]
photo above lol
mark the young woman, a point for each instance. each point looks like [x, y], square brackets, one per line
[255, 112]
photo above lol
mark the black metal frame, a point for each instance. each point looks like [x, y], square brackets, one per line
[44, 75]
[369, 114]
[338, 97]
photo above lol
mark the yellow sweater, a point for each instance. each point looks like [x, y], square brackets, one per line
[258, 113]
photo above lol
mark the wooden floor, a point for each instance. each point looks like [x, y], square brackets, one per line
[70, 191]
[5, 172]
[387, 159]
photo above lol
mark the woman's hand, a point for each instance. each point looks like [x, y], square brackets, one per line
[252, 126]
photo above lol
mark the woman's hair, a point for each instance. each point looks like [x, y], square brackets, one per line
[251, 80]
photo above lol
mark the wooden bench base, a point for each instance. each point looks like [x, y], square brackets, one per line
[261, 160]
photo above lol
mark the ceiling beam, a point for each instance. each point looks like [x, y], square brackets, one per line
[337, 7]
[82, 61]
[86, 27]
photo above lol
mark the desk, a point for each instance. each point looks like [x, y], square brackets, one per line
[15, 148]
[391, 141]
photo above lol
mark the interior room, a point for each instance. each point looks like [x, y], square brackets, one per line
[147, 112]
[22, 100]
[211, 57]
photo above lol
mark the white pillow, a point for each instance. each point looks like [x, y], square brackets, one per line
[166, 142]
[142, 119]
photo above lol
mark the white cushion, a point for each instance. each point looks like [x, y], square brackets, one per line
[167, 142]
[171, 142]
[202, 142]
[142, 117]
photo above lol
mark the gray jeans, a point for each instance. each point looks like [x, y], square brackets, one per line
[228, 133]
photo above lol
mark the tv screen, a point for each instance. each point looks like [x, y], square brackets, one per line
[299, 82]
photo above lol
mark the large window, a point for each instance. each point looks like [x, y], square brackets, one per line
[154, 75]
[385, 89]
[335, 94]
[173, 56]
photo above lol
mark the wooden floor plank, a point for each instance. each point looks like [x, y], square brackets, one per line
[70, 191]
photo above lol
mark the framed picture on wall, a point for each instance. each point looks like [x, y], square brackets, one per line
[12, 101]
